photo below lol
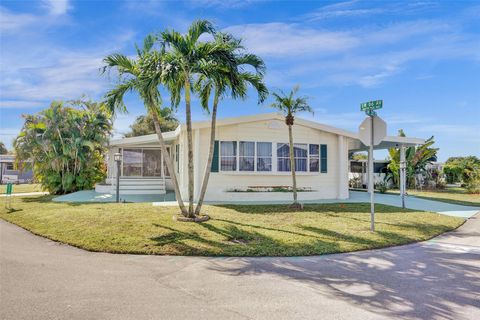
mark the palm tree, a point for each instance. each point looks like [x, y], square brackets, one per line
[226, 79]
[141, 75]
[186, 58]
[417, 159]
[290, 105]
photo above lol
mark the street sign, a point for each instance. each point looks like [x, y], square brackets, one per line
[371, 105]
[379, 130]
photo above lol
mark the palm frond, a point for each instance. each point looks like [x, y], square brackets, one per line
[197, 28]
[121, 62]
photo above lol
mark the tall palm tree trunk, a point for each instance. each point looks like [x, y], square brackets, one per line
[292, 164]
[208, 168]
[169, 163]
[188, 113]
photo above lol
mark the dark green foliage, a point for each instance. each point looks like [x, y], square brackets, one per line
[461, 169]
[66, 143]
[144, 124]
[3, 149]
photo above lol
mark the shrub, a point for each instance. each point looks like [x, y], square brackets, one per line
[66, 145]
[381, 187]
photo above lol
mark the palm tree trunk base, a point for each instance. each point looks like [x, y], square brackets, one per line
[296, 206]
[201, 218]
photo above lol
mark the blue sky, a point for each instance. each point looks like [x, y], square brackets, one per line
[421, 57]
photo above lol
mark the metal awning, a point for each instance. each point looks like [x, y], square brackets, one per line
[387, 143]
[169, 137]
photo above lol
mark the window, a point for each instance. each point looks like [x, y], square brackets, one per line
[228, 155]
[144, 163]
[283, 157]
[132, 162]
[314, 152]
[264, 156]
[152, 166]
[9, 166]
[246, 156]
[300, 154]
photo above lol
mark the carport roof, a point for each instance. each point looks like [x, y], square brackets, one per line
[389, 142]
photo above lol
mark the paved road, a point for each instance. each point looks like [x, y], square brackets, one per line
[438, 279]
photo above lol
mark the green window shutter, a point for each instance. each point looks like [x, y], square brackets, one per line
[323, 158]
[215, 158]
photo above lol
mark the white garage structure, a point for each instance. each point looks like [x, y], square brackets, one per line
[251, 160]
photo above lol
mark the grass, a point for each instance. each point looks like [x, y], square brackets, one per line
[20, 188]
[453, 195]
[240, 230]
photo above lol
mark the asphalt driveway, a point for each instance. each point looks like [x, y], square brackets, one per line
[437, 279]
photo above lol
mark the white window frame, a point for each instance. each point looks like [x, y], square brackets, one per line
[271, 156]
[162, 159]
[316, 157]
[220, 156]
[254, 156]
[274, 159]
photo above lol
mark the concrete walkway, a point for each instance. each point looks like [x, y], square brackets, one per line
[437, 279]
[23, 194]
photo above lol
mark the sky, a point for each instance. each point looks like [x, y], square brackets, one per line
[422, 58]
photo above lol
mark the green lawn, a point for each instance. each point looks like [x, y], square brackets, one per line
[450, 195]
[267, 230]
[20, 188]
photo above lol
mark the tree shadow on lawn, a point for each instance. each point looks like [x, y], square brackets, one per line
[410, 282]
[240, 239]
[235, 241]
[360, 207]
[49, 199]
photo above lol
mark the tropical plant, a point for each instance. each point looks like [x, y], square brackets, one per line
[417, 158]
[185, 58]
[141, 75]
[382, 187]
[3, 149]
[65, 144]
[227, 80]
[290, 105]
[458, 169]
[359, 156]
[145, 124]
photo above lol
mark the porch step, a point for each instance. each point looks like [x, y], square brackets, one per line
[141, 185]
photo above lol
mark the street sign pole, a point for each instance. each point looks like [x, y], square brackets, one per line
[402, 175]
[371, 134]
[370, 177]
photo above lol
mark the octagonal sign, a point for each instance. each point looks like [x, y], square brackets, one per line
[379, 130]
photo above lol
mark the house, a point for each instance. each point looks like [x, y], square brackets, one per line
[251, 160]
[8, 173]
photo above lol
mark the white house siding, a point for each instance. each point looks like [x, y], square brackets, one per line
[330, 185]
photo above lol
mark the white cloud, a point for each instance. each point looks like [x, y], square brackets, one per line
[352, 9]
[14, 21]
[230, 4]
[10, 21]
[21, 104]
[287, 40]
[367, 56]
[57, 7]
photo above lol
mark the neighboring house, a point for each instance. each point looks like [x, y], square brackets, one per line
[8, 172]
[251, 153]
[358, 172]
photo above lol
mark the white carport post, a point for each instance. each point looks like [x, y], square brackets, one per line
[403, 166]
